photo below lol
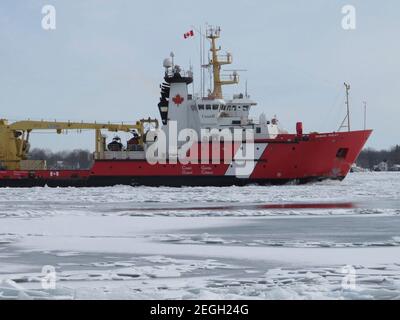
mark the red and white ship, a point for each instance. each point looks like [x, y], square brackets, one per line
[276, 156]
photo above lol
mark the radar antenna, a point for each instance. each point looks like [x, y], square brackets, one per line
[216, 62]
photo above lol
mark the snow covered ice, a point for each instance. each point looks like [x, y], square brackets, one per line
[203, 243]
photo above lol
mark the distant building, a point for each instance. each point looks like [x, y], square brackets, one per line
[355, 168]
[395, 167]
[383, 166]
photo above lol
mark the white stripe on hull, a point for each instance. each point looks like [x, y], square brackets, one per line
[240, 166]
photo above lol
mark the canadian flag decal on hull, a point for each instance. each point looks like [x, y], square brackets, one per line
[178, 99]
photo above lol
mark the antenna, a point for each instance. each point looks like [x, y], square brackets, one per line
[347, 117]
[347, 104]
[202, 39]
[210, 86]
[365, 114]
[201, 63]
[191, 74]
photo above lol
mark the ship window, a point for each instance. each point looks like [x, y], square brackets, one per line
[215, 107]
[234, 108]
[235, 121]
[229, 108]
[342, 153]
[239, 107]
[208, 106]
[245, 108]
[201, 106]
[258, 129]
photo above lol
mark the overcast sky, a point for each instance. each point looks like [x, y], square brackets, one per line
[104, 60]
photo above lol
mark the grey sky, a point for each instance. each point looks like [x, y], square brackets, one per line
[104, 60]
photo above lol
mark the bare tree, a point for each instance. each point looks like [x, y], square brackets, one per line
[368, 158]
[75, 159]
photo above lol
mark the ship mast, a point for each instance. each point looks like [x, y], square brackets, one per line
[216, 62]
[347, 117]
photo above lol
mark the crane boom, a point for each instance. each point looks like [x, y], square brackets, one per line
[14, 137]
[29, 125]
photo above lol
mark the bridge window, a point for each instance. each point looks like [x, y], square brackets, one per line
[234, 108]
[201, 106]
[245, 108]
[208, 106]
[215, 107]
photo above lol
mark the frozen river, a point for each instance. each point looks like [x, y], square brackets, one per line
[335, 240]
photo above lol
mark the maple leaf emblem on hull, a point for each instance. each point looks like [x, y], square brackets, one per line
[178, 99]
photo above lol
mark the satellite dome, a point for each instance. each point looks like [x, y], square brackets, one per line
[167, 63]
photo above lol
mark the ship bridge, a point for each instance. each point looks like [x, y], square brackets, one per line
[220, 112]
[182, 110]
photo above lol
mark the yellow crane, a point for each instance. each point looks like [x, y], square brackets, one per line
[14, 137]
[213, 34]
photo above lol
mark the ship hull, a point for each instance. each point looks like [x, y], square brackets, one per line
[157, 181]
[288, 158]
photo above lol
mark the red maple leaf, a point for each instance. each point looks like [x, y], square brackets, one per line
[178, 99]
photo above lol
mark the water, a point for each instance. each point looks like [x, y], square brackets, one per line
[269, 242]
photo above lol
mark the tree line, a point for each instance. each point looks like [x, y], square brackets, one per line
[83, 159]
[75, 159]
[369, 157]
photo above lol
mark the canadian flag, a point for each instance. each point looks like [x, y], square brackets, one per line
[188, 34]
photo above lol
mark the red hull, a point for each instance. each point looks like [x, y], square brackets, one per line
[287, 158]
